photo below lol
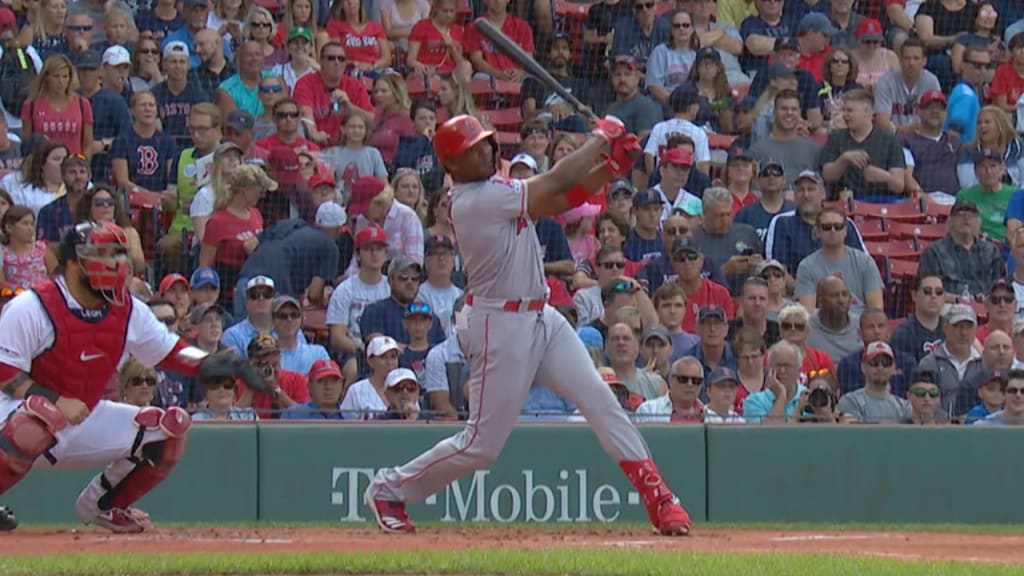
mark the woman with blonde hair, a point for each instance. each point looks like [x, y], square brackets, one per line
[260, 28]
[409, 191]
[995, 132]
[120, 30]
[228, 17]
[47, 31]
[226, 159]
[794, 327]
[563, 145]
[137, 383]
[455, 98]
[391, 120]
[55, 111]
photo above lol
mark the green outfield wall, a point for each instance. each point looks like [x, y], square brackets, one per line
[559, 473]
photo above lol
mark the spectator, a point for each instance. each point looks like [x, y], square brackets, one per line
[241, 91]
[863, 159]
[967, 263]
[213, 67]
[402, 392]
[687, 262]
[454, 97]
[753, 312]
[813, 32]
[417, 320]
[227, 19]
[791, 236]
[955, 361]
[286, 133]
[367, 45]
[622, 347]
[924, 396]
[385, 316]
[794, 326]
[171, 389]
[971, 93]
[259, 296]
[990, 392]
[101, 205]
[1012, 413]
[57, 216]
[218, 391]
[209, 321]
[195, 13]
[147, 64]
[670, 304]
[326, 97]
[365, 398]
[833, 327]
[409, 190]
[894, 106]
[296, 355]
[737, 246]
[598, 32]
[373, 202]
[783, 390]
[1008, 81]
[578, 226]
[142, 157]
[780, 76]
[874, 402]
[1000, 308]
[110, 111]
[541, 103]
[775, 275]
[991, 194]
[921, 333]
[24, 257]
[326, 386]
[162, 19]
[759, 33]
[391, 120]
[733, 12]
[80, 31]
[656, 350]
[301, 59]
[834, 258]
[838, 76]
[355, 159]
[282, 388]
[717, 34]
[416, 152]
[713, 351]
[771, 182]
[271, 89]
[638, 33]
[721, 393]
[823, 408]
[54, 111]
[749, 349]
[873, 326]
[685, 104]
[46, 33]
[535, 140]
[636, 110]
[227, 157]
[10, 149]
[784, 144]
[933, 150]
[669, 63]
[435, 42]
[995, 131]
[997, 355]
[709, 75]
[620, 204]
[873, 59]
[232, 233]
[674, 166]
[137, 383]
[444, 368]
[261, 28]
[437, 289]
[644, 241]
[681, 402]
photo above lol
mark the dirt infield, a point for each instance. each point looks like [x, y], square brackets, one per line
[900, 545]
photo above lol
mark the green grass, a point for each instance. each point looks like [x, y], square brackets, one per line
[492, 562]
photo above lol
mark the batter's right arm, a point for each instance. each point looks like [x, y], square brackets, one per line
[547, 191]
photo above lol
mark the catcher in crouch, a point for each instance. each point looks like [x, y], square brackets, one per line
[60, 344]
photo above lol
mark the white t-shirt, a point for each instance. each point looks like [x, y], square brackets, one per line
[350, 299]
[441, 300]
[682, 198]
[662, 130]
[27, 331]
[360, 398]
[26, 194]
[202, 203]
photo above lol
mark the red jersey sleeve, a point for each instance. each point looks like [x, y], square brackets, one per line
[303, 92]
[356, 93]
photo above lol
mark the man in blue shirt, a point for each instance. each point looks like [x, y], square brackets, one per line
[296, 355]
[780, 399]
[759, 34]
[385, 316]
[630, 39]
[101, 83]
[58, 216]
[325, 387]
[195, 13]
[644, 241]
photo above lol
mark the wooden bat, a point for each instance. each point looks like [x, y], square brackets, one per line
[529, 65]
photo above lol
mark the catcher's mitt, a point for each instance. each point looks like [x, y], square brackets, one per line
[228, 365]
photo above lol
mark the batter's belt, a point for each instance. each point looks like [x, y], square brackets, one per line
[506, 305]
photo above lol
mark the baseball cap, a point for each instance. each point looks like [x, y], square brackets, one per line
[722, 374]
[786, 43]
[656, 331]
[262, 344]
[608, 376]
[748, 102]
[591, 338]
[436, 242]
[878, 348]
[815, 22]
[646, 197]
[226, 147]
[738, 153]
[712, 311]
[371, 235]
[987, 154]
[240, 120]
[175, 48]
[964, 205]
[771, 163]
[300, 32]
[205, 277]
[330, 215]
[931, 96]
[249, 176]
[324, 368]
[684, 244]
[991, 376]
[194, 3]
[708, 52]
[418, 308]
[117, 56]
[284, 164]
[284, 300]
[260, 282]
[924, 377]
[170, 280]
[780, 69]
[692, 207]
[381, 345]
[772, 263]
[319, 179]
[684, 95]
[868, 29]
[957, 313]
[626, 60]
[1004, 285]
[621, 187]
[364, 190]
[524, 158]
[399, 375]
[199, 312]
[7, 18]
[88, 60]
[679, 156]
[810, 175]
[585, 210]
[403, 263]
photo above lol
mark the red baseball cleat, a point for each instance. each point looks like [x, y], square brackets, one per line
[673, 519]
[121, 521]
[390, 515]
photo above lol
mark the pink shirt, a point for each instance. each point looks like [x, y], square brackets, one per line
[60, 126]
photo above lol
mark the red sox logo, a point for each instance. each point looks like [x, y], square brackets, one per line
[149, 161]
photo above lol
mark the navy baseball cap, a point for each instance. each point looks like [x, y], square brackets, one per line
[684, 95]
[647, 197]
[988, 154]
[786, 43]
[438, 241]
[684, 244]
[88, 60]
[708, 52]
[712, 311]
[205, 277]
[738, 153]
[815, 22]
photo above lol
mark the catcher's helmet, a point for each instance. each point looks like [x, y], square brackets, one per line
[458, 135]
[101, 251]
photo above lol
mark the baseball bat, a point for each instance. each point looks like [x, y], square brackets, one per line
[529, 65]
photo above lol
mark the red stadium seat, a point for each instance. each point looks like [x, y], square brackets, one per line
[903, 211]
[315, 323]
[721, 141]
[904, 230]
[740, 91]
[143, 200]
[897, 249]
[507, 118]
[873, 230]
[936, 212]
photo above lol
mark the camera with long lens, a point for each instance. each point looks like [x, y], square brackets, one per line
[264, 369]
[820, 398]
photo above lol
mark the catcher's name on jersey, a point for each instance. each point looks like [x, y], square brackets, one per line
[497, 239]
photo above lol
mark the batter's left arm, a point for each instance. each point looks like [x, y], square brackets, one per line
[547, 191]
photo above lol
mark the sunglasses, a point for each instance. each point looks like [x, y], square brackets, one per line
[103, 202]
[613, 265]
[334, 58]
[685, 256]
[407, 278]
[138, 381]
[984, 65]
[682, 25]
[677, 231]
[884, 362]
[272, 89]
[644, 6]
[407, 386]
[691, 380]
[800, 326]
[226, 384]
[79, 28]
[261, 24]
[286, 115]
[772, 172]
[261, 295]
[840, 61]
[624, 288]
[149, 51]
[818, 372]
[167, 320]
[288, 315]
[921, 392]
[933, 291]
[1015, 391]
[1002, 299]
[834, 227]
[419, 309]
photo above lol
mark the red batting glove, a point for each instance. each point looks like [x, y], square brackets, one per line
[610, 127]
[625, 151]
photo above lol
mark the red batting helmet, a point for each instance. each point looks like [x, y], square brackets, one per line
[101, 251]
[458, 135]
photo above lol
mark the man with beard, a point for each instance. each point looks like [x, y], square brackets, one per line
[538, 100]
[636, 110]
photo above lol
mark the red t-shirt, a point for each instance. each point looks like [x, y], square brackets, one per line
[387, 130]
[229, 232]
[64, 127]
[709, 293]
[746, 201]
[1007, 82]
[292, 383]
[360, 46]
[433, 50]
[518, 30]
[813, 63]
[274, 141]
[310, 91]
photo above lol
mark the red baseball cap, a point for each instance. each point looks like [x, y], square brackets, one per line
[324, 368]
[7, 19]
[319, 179]
[170, 280]
[371, 235]
[931, 96]
[869, 29]
[364, 190]
[677, 155]
[284, 163]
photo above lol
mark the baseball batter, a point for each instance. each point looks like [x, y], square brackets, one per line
[510, 335]
[60, 344]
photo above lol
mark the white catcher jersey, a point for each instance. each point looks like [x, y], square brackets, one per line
[498, 242]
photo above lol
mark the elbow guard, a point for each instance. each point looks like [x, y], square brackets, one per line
[183, 359]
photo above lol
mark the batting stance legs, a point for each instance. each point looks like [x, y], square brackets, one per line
[139, 447]
[508, 351]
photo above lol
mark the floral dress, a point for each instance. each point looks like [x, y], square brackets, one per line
[26, 270]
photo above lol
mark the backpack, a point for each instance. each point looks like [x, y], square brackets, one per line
[16, 75]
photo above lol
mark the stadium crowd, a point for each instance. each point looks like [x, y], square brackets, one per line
[822, 227]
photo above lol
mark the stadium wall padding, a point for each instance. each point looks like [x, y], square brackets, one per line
[559, 473]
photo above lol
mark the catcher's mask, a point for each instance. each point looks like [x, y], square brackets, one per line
[101, 252]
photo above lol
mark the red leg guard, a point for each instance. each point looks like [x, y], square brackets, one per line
[663, 509]
[157, 460]
[27, 433]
